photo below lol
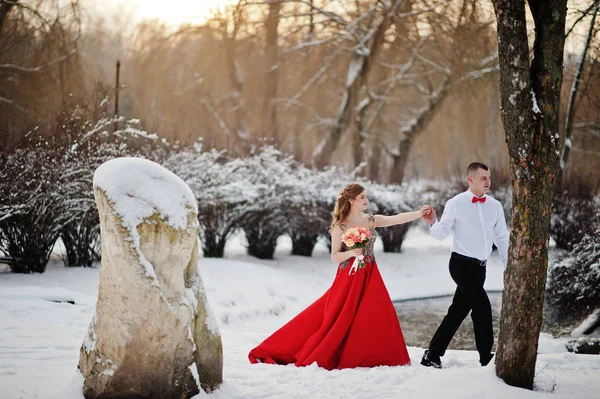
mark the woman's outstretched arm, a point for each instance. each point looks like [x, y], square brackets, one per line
[385, 221]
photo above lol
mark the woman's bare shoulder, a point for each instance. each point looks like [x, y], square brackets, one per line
[338, 229]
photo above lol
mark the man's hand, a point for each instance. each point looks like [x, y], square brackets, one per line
[428, 214]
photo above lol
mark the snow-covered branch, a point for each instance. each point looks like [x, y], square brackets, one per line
[41, 67]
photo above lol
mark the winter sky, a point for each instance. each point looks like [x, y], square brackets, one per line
[173, 12]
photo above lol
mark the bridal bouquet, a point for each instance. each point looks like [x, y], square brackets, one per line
[356, 237]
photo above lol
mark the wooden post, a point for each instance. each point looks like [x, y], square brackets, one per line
[116, 125]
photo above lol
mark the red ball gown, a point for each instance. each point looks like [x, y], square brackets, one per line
[354, 324]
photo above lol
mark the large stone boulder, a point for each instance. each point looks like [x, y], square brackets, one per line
[153, 334]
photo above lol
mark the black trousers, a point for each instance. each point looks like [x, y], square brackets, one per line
[469, 276]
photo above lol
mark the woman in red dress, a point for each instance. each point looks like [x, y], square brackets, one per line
[354, 324]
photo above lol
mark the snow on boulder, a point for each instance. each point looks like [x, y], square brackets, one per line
[153, 334]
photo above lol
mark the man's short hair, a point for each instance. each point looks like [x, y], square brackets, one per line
[474, 166]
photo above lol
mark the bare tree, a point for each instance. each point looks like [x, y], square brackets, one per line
[280, 70]
[568, 128]
[240, 129]
[311, 23]
[400, 38]
[397, 76]
[40, 68]
[5, 6]
[365, 52]
[413, 128]
[269, 112]
[530, 96]
[462, 65]
[224, 81]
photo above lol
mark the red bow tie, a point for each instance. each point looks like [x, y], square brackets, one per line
[477, 199]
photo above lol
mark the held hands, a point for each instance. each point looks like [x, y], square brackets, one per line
[428, 214]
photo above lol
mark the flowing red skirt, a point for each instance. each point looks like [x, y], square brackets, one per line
[354, 324]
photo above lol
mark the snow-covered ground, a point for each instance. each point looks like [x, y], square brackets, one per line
[40, 339]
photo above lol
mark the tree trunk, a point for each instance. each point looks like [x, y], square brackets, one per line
[401, 32]
[359, 132]
[530, 107]
[239, 143]
[302, 243]
[374, 166]
[324, 151]
[400, 158]
[392, 237]
[4, 10]
[409, 132]
[269, 117]
[311, 21]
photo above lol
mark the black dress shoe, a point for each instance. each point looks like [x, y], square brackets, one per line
[431, 360]
[485, 360]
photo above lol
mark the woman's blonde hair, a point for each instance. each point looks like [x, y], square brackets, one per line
[342, 204]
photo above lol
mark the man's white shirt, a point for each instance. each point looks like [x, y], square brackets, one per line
[475, 226]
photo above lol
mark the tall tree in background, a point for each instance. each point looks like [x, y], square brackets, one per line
[366, 50]
[530, 96]
[41, 73]
[5, 6]
[239, 131]
[400, 44]
[463, 58]
[569, 118]
[269, 112]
